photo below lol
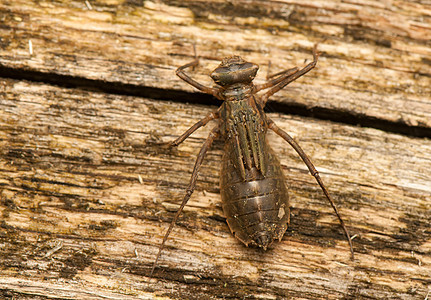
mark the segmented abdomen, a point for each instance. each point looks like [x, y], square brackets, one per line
[257, 206]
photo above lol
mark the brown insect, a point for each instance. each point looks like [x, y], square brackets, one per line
[252, 185]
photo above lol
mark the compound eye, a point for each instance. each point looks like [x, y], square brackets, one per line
[246, 66]
[222, 70]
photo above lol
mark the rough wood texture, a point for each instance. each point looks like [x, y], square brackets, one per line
[87, 189]
[375, 62]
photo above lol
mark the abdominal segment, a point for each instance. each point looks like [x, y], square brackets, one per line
[257, 206]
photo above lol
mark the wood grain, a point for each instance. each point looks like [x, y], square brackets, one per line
[375, 55]
[87, 193]
[88, 188]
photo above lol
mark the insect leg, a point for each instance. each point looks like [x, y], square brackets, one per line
[284, 72]
[287, 78]
[313, 172]
[180, 73]
[207, 144]
[211, 116]
[278, 77]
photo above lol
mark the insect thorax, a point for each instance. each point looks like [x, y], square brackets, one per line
[244, 131]
[237, 92]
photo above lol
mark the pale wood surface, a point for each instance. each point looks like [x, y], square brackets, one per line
[375, 55]
[87, 190]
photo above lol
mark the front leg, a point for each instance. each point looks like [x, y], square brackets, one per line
[277, 78]
[180, 73]
[287, 77]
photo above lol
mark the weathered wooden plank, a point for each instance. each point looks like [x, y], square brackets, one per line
[375, 59]
[87, 192]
